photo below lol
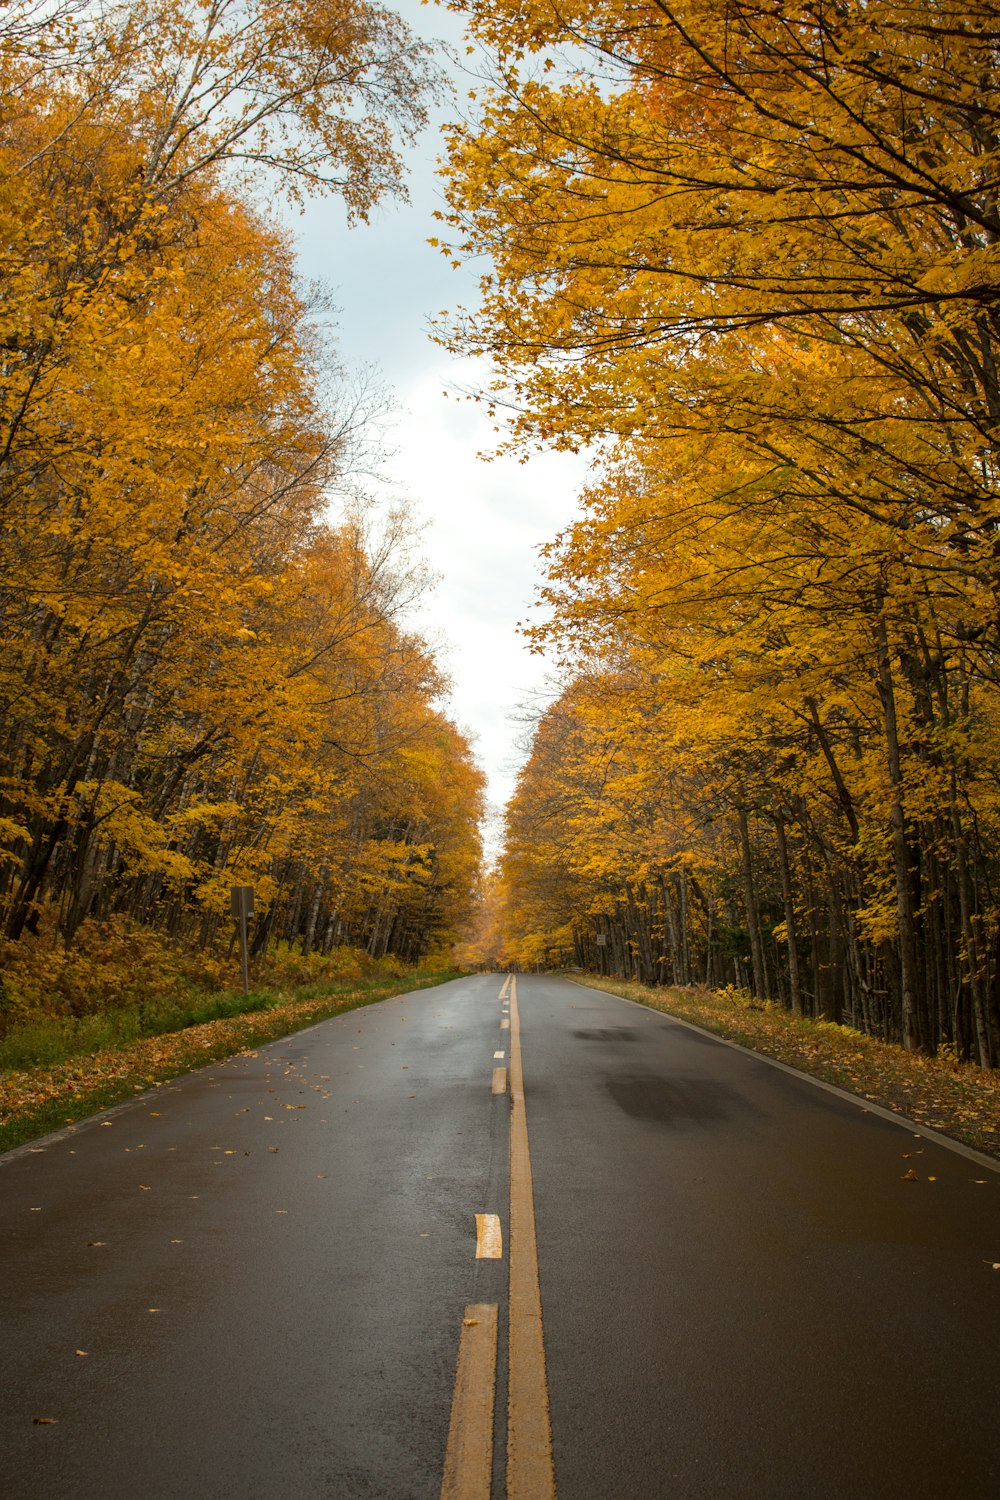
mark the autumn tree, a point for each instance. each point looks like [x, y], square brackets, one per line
[204, 679]
[747, 253]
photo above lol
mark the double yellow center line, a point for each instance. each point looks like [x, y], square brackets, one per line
[469, 1457]
[530, 1475]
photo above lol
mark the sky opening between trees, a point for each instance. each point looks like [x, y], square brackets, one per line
[743, 256]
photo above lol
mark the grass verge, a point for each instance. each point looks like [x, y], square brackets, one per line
[960, 1100]
[35, 1100]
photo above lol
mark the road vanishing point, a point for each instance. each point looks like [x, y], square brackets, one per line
[502, 1238]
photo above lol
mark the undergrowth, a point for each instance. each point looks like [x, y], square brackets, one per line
[40, 1098]
[123, 1008]
[120, 982]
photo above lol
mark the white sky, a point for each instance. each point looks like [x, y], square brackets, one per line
[484, 521]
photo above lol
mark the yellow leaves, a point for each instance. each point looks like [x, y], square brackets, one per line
[222, 673]
[117, 810]
[976, 270]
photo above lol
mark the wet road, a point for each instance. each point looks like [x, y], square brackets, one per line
[266, 1265]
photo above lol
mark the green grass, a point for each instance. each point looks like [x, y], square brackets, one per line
[68, 1070]
[48, 1040]
[54, 1039]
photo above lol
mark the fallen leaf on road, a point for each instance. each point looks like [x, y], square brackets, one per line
[910, 1176]
[81, 1352]
[144, 1189]
[45, 1421]
[97, 1242]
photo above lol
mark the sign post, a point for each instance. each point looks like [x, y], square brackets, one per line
[601, 943]
[241, 906]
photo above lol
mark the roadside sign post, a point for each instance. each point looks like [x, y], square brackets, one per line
[241, 906]
[601, 944]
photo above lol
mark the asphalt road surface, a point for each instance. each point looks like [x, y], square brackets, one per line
[253, 1282]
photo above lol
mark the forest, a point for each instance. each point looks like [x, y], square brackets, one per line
[208, 677]
[747, 257]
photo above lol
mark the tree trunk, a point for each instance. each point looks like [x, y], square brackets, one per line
[750, 900]
[794, 981]
[901, 853]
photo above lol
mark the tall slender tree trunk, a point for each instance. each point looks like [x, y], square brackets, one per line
[794, 981]
[901, 853]
[750, 901]
[670, 930]
[682, 886]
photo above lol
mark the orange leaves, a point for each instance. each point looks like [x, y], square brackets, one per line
[202, 681]
[719, 251]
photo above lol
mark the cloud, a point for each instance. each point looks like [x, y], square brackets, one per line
[484, 521]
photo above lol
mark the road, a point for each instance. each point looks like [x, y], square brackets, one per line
[255, 1281]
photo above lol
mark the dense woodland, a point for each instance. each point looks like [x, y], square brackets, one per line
[749, 255]
[205, 680]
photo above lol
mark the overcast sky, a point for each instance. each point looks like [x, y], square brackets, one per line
[484, 521]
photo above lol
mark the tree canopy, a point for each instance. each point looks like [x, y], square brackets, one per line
[205, 679]
[748, 254]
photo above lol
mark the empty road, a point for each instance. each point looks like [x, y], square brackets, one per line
[254, 1281]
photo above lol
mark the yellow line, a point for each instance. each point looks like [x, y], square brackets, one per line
[530, 1474]
[468, 1463]
[499, 1081]
[489, 1240]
